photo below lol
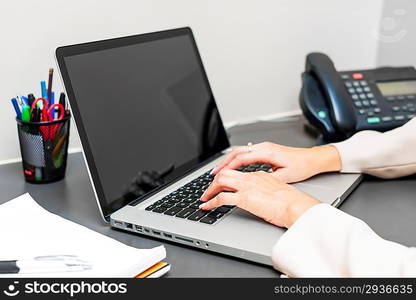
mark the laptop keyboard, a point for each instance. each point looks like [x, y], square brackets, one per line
[184, 202]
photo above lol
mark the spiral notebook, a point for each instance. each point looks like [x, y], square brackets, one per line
[29, 231]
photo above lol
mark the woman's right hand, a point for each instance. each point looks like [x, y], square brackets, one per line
[289, 164]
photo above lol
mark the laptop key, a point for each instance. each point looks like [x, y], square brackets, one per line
[186, 213]
[198, 215]
[160, 209]
[169, 204]
[222, 209]
[188, 200]
[182, 204]
[173, 211]
[208, 220]
[150, 207]
[215, 215]
[196, 204]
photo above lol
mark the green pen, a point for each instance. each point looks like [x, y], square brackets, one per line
[26, 113]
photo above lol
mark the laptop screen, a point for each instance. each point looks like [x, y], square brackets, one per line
[144, 110]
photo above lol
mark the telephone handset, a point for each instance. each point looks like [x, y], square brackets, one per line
[338, 104]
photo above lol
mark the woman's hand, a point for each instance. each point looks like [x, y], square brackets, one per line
[260, 193]
[289, 164]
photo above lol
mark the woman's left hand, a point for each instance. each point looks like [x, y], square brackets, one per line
[259, 193]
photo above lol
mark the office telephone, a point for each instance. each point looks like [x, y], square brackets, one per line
[338, 104]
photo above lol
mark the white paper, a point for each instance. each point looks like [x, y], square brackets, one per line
[27, 230]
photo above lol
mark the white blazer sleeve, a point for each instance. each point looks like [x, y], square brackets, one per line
[388, 155]
[326, 242]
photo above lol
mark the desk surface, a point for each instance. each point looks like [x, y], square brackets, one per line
[387, 206]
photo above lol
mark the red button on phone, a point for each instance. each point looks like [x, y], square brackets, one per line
[357, 76]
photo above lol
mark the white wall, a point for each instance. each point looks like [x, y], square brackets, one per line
[397, 34]
[253, 50]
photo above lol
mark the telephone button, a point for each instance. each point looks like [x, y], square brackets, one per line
[400, 97]
[377, 110]
[370, 114]
[348, 84]
[363, 83]
[367, 89]
[366, 103]
[399, 118]
[356, 84]
[357, 76]
[373, 120]
[359, 90]
[390, 98]
[370, 95]
[358, 104]
[411, 96]
[395, 108]
[354, 97]
[322, 114]
[386, 119]
[361, 111]
[351, 90]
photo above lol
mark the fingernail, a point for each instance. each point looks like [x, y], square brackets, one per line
[202, 205]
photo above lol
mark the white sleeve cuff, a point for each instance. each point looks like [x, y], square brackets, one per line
[326, 242]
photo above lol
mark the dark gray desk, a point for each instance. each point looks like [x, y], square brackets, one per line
[389, 207]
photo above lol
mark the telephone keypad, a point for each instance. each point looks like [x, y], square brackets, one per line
[368, 106]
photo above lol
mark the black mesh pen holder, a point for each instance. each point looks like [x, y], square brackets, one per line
[44, 149]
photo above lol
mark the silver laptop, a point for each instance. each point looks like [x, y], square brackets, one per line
[151, 132]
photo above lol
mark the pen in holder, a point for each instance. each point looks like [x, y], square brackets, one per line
[44, 149]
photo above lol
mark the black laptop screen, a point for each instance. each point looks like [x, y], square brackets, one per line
[145, 113]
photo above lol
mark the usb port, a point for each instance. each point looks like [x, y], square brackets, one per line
[129, 226]
[139, 228]
[156, 232]
[167, 235]
[118, 223]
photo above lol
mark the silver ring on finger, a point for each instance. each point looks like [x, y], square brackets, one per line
[249, 147]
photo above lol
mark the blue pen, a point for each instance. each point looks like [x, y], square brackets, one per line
[43, 90]
[17, 108]
[52, 101]
[25, 99]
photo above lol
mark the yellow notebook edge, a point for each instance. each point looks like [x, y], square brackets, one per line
[153, 269]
